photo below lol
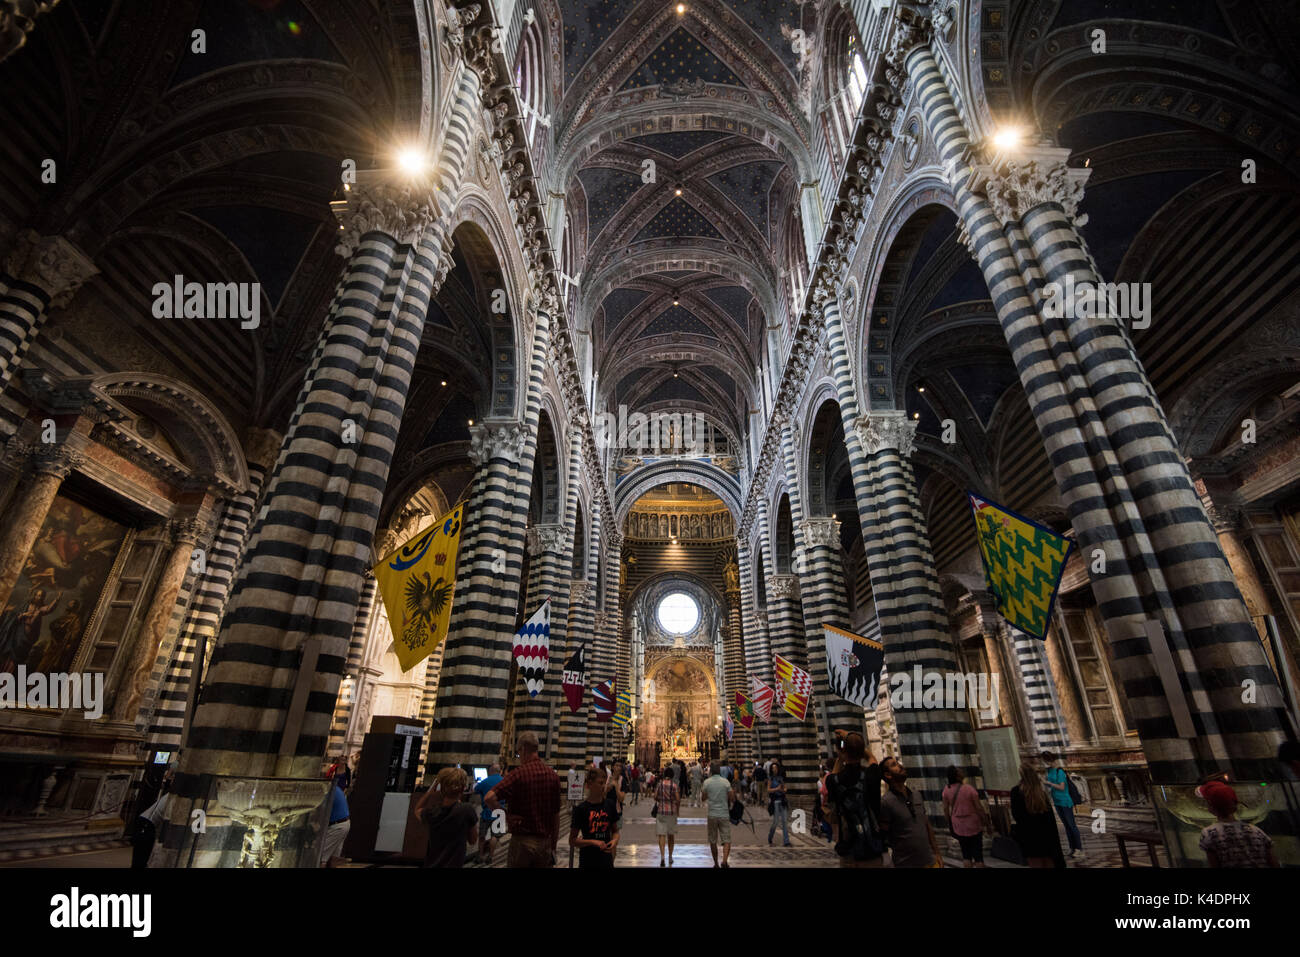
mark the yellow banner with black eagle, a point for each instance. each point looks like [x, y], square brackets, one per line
[417, 583]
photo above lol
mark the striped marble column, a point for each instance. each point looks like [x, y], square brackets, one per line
[1122, 479]
[742, 742]
[914, 628]
[1040, 693]
[547, 578]
[476, 664]
[356, 648]
[573, 725]
[184, 674]
[600, 653]
[620, 644]
[797, 740]
[40, 273]
[822, 592]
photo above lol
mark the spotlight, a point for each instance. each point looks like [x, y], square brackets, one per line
[678, 191]
[681, 8]
[444, 382]
[471, 421]
[1007, 138]
[920, 388]
[674, 302]
[412, 161]
[916, 415]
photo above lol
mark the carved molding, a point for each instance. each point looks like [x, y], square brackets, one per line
[547, 538]
[57, 460]
[50, 262]
[1035, 175]
[497, 439]
[782, 586]
[404, 211]
[821, 531]
[878, 431]
[579, 589]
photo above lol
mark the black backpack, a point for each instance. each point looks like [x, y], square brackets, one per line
[859, 831]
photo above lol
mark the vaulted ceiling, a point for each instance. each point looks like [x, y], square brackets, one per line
[680, 208]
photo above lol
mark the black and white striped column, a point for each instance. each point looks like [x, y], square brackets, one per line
[548, 577]
[40, 273]
[1122, 479]
[352, 679]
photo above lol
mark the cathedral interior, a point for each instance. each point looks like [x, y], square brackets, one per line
[710, 318]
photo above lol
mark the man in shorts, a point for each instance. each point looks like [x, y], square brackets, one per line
[718, 797]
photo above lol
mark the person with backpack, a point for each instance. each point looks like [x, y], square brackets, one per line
[1064, 797]
[760, 780]
[853, 792]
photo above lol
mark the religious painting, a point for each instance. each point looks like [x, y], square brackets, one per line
[45, 618]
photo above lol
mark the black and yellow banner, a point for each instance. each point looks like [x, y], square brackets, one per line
[417, 583]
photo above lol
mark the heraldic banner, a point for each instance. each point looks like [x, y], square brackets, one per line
[1023, 562]
[417, 583]
[853, 664]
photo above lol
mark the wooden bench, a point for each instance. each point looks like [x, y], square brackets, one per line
[1152, 839]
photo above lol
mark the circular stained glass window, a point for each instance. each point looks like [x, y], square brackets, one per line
[678, 613]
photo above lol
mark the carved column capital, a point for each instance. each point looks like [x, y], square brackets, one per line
[782, 586]
[402, 210]
[497, 439]
[188, 531]
[821, 531]
[886, 430]
[546, 538]
[1017, 182]
[262, 447]
[50, 262]
[578, 591]
[57, 460]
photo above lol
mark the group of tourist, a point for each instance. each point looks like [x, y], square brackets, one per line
[870, 814]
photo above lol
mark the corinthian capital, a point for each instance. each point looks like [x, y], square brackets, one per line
[57, 460]
[497, 439]
[188, 531]
[546, 538]
[402, 210]
[821, 531]
[886, 430]
[578, 591]
[782, 586]
[50, 262]
[1034, 175]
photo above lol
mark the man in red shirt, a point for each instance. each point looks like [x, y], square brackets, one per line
[532, 792]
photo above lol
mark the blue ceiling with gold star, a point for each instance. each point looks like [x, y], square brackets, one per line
[680, 57]
[677, 319]
[677, 389]
[734, 301]
[607, 190]
[588, 24]
[681, 144]
[678, 218]
[618, 304]
[747, 186]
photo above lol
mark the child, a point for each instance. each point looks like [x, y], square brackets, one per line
[595, 824]
[1232, 843]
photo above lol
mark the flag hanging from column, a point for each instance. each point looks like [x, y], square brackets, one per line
[624, 713]
[853, 664]
[1023, 562]
[574, 682]
[793, 686]
[730, 726]
[417, 583]
[762, 696]
[533, 648]
[744, 711]
[602, 697]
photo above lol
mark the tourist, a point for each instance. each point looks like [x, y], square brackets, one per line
[635, 776]
[1035, 827]
[1229, 842]
[904, 823]
[853, 792]
[533, 793]
[340, 773]
[668, 798]
[778, 804]
[697, 779]
[340, 824]
[718, 795]
[617, 785]
[1059, 787]
[487, 839]
[594, 828]
[760, 781]
[451, 821]
[967, 818]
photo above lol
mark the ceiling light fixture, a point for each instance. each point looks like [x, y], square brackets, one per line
[678, 191]
[920, 388]
[471, 421]
[444, 382]
[681, 8]
[916, 415]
